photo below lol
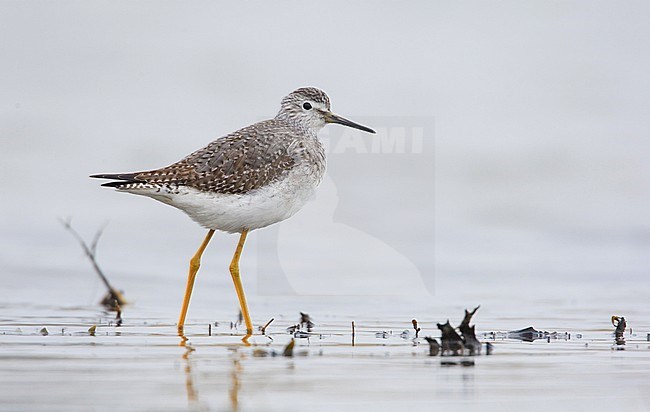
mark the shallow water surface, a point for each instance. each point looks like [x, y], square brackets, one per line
[142, 365]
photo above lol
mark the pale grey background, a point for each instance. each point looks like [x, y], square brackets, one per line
[530, 197]
[539, 114]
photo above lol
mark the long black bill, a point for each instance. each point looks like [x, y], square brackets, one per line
[333, 118]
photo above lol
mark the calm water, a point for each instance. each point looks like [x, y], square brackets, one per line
[140, 365]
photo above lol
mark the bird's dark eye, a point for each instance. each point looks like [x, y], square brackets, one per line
[306, 106]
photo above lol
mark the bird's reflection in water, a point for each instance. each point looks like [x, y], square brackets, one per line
[192, 389]
[192, 392]
[235, 383]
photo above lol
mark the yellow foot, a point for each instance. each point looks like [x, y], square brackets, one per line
[249, 333]
[181, 335]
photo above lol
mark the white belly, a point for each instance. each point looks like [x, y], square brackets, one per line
[234, 212]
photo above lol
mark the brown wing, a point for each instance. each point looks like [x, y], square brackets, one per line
[235, 164]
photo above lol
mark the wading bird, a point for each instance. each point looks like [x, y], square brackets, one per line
[252, 178]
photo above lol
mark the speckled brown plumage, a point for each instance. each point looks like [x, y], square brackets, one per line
[251, 178]
[234, 164]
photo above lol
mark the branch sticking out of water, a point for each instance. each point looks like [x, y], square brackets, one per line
[113, 297]
[468, 332]
[263, 328]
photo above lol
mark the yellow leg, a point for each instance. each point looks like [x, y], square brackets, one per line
[195, 263]
[234, 272]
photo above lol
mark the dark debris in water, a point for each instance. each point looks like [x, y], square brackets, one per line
[461, 362]
[453, 344]
[434, 346]
[530, 334]
[468, 333]
[299, 334]
[288, 351]
[297, 330]
[305, 322]
[382, 335]
[619, 333]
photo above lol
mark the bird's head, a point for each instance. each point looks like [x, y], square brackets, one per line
[310, 107]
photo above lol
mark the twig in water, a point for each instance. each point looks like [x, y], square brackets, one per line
[263, 328]
[353, 334]
[209, 329]
[113, 294]
[415, 326]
